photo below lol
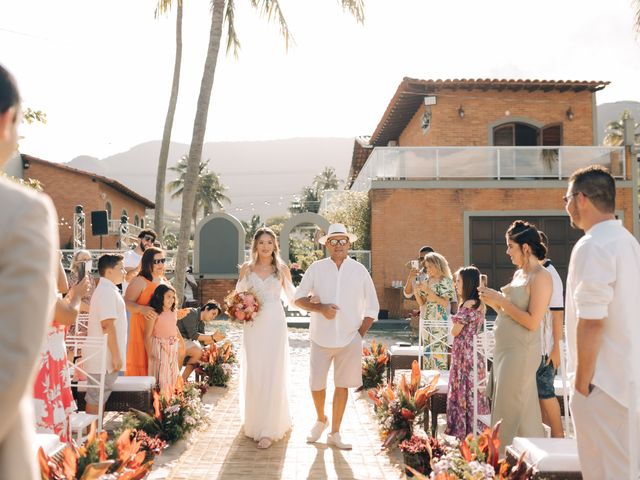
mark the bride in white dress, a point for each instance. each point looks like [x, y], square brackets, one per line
[264, 356]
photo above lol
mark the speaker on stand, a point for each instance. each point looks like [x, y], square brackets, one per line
[99, 224]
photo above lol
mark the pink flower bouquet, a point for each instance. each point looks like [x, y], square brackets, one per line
[242, 306]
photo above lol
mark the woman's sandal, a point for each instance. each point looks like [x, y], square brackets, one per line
[264, 443]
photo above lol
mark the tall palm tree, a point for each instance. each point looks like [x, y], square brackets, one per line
[163, 7]
[326, 180]
[615, 131]
[221, 11]
[209, 191]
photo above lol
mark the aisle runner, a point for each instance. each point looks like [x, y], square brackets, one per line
[223, 452]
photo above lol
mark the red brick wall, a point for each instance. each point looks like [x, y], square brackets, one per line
[217, 289]
[68, 189]
[403, 220]
[482, 108]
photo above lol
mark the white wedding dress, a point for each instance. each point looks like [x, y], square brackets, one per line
[264, 361]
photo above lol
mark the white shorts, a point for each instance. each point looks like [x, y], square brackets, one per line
[347, 366]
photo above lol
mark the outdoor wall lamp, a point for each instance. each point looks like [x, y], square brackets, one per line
[461, 111]
[569, 114]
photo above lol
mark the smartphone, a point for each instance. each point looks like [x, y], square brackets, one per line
[483, 280]
[415, 264]
[81, 271]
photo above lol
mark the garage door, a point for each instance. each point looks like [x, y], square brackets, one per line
[488, 245]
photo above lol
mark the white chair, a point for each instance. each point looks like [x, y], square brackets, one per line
[91, 347]
[484, 345]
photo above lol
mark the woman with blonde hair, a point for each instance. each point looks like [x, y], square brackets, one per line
[433, 295]
[264, 356]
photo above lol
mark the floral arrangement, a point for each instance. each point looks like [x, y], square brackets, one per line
[129, 457]
[399, 408]
[174, 417]
[242, 306]
[419, 451]
[374, 362]
[472, 459]
[216, 364]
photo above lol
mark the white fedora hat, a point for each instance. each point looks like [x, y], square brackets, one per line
[337, 230]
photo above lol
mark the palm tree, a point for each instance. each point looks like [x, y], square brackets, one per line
[221, 11]
[209, 192]
[615, 131]
[158, 218]
[251, 228]
[326, 180]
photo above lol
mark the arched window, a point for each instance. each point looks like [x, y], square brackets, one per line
[107, 207]
[142, 223]
[516, 134]
[136, 220]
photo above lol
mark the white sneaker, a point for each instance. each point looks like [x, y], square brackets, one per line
[317, 430]
[335, 440]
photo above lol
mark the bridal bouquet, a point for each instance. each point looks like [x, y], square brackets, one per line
[242, 306]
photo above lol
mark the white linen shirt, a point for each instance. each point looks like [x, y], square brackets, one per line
[106, 302]
[350, 288]
[131, 260]
[556, 303]
[602, 284]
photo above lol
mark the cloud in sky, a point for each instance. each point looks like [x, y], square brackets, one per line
[101, 70]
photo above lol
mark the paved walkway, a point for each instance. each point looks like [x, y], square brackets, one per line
[223, 452]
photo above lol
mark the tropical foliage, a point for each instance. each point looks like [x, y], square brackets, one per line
[250, 228]
[129, 457]
[310, 195]
[399, 408]
[374, 363]
[614, 131]
[353, 210]
[175, 414]
[216, 364]
[210, 192]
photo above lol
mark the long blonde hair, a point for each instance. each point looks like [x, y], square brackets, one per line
[74, 260]
[439, 262]
[276, 261]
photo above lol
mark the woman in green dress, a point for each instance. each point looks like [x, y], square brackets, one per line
[434, 294]
[520, 307]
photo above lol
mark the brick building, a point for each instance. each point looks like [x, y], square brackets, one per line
[453, 162]
[69, 187]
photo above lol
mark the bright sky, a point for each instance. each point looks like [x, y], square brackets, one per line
[101, 70]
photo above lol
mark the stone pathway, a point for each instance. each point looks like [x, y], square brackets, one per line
[223, 452]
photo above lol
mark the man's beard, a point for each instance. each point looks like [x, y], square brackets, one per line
[142, 246]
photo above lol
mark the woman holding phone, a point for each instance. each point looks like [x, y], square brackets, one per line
[521, 307]
[81, 266]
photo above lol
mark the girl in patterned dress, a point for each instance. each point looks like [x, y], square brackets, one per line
[435, 293]
[467, 323]
[162, 338]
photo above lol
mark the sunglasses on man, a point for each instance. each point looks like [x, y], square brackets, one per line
[158, 261]
[148, 238]
[334, 241]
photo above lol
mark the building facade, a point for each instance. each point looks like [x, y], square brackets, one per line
[453, 162]
[69, 187]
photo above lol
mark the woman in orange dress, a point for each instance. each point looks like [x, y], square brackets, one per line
[139, 292]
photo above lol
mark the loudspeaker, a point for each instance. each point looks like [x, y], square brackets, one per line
[99, 223]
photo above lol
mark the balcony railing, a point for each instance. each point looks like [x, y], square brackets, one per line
[489, 163]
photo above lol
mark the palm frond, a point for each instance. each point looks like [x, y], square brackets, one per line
[163, 7]
[355, 7]
[636, 23]
[271, 9]
[233, 42]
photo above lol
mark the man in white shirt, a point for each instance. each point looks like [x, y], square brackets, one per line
[348, 306]
[107, 315]
[551, 334]
[602, 326]
[132, 258]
